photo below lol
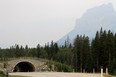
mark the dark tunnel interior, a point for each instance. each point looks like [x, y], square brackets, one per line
[24, 67]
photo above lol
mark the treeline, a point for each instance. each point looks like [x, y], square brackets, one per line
[103, 49]
[84, 55]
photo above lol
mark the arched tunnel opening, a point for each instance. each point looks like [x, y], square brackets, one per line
[24, 67]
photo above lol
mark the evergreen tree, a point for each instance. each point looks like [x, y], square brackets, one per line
[26, 50]
[38, 50]
[82, 51]
[110, 48]
[97, 47]
[17, 51]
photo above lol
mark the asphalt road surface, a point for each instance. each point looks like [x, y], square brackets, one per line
[55, 74]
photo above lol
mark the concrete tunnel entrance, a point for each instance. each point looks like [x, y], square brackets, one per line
[24, 67]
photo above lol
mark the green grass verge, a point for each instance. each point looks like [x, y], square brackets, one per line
[14, 76]
[18, 76]
[109, 76]
[1, 75]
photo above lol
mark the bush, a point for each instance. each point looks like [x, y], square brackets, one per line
[63, 67]
[2, 74]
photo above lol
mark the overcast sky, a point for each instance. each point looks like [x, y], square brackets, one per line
[29, 22]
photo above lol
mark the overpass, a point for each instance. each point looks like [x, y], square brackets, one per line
[24, 65]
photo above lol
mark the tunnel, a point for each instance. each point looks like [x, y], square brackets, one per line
[24, 67]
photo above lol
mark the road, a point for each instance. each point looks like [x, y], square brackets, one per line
[56, 74]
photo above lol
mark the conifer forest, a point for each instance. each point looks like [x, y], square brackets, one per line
[84, 54]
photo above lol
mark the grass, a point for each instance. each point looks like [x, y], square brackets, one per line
[1, 75]
[18, 76]
[13, 76]
[109, 76]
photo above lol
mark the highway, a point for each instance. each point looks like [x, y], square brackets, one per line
[55, 74]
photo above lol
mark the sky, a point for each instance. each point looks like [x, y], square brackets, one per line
[32, 22]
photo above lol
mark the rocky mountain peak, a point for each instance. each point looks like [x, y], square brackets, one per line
[92, 20]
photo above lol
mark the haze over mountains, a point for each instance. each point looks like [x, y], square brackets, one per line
[92, 20]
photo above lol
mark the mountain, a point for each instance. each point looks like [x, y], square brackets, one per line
[92, 20]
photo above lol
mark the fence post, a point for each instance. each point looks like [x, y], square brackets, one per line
[106, 71]
[101, 72]
[93, 70]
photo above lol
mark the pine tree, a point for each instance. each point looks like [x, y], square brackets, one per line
[81, 45]
[26, 50]
[95, 47]
[38, 50]
[110, 48]
[17, 51]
